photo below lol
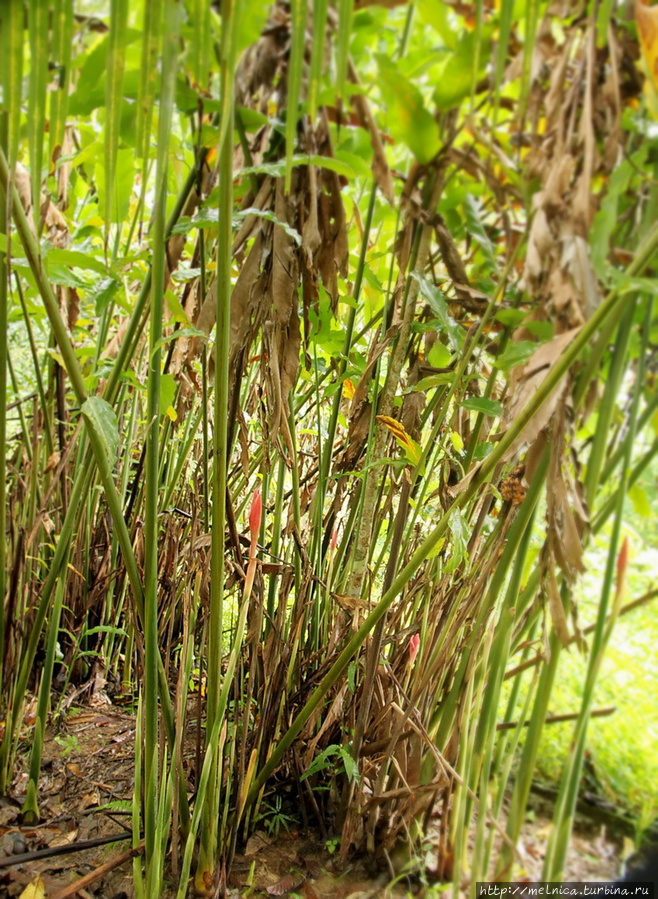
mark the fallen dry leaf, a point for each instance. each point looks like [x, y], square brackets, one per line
[285, 885]
[34, 890]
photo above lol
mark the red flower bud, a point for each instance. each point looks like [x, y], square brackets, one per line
[414, 646]
[255, 515]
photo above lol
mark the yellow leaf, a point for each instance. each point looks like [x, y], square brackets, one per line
[406, 443]
[647, 27]
[456, 441]
[34, 890]
[393, 425]
[348, 389]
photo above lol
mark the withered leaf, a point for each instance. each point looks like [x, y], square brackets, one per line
[286, 884]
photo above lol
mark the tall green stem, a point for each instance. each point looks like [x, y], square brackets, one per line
[209, 847]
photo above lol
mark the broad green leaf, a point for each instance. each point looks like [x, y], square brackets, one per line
[62, 274]
[454, 78]
[441, 18]
[516, 353]
[100, 417]
[167, 392]
[251, 19]
[434, 381]
[439, 356]
[76, 259]
[175, 306]
[640, 500]
[102, 293]
[483, 405]
[251, 119]
[408, 119]
[511, 318]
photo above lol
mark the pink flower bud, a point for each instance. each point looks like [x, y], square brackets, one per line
[414, 646]
[622, 565]
[334, 540]
[256, 514]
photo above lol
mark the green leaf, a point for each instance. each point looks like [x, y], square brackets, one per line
[408, 119]
[278, 169]
[208, 217]
[434, 381]
[103, 292]
[351, 767]
[454, 80]
[180, 332]
[100, 418]
[606, 219]
[483, 405]
[640, 500]
[76, 259]
[351, 677]
[62, 274]
[458, 541]
[439, 307]
[439, 356]
[511, 318]
[167, 392]
[477, 231]
[320, 762]
[106, 629]
[516, 353]
[438, 15]
[251, 19]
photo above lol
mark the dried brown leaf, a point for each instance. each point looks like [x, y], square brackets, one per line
[286, 884]
[555, 606]
[525, 381]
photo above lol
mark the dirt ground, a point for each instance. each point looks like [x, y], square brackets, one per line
[85, 795]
